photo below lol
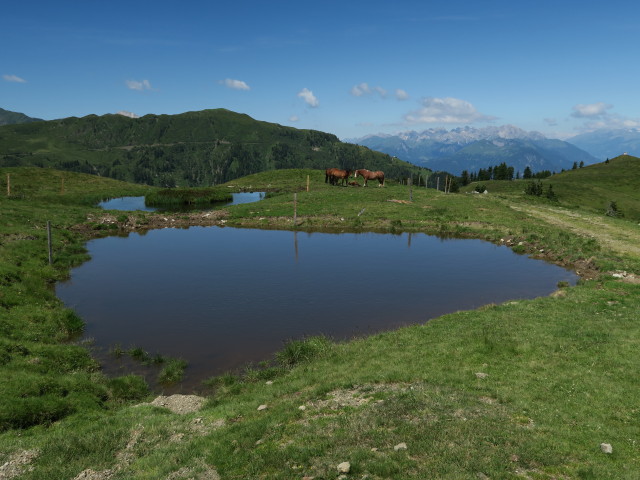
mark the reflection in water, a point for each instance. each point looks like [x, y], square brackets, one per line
[223, 297]
[137, 203]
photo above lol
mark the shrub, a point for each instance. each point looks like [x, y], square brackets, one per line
[612, 210]
[533, 188]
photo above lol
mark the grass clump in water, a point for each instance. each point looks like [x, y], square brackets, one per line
[173, 371]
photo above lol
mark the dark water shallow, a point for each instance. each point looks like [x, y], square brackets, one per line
[223, 297]
[137, 203]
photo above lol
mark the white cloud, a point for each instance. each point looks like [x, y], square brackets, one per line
[308, 96]
[552, 122]
[360, 90]
[124, 113]
[13, 78]
[401, 94]
[591, 110]
[235, 84]
[446, 110]
[294, 118]
[363, 89]
[597, 116]
[139, 86]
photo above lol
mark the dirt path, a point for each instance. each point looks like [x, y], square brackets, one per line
[620, 237]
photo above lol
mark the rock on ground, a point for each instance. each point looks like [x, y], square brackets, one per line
[180, 404]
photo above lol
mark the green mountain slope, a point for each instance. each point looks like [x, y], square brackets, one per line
[10, 118]
[194, 148]
[592, 187]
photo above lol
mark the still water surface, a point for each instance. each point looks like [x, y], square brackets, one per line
[137, 203]
[223, 297]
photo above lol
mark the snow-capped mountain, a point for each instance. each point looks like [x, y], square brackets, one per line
[469, 148]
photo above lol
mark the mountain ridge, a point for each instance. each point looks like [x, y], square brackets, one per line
[469, 148]
[8, 117]
[609, 142]
[196, 148]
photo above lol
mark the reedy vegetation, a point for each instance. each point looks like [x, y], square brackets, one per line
[559, 373]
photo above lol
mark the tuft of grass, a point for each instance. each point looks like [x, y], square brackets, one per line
[299, 351]
[127, 388]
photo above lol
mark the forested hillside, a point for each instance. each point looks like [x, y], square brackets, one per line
[194, 148]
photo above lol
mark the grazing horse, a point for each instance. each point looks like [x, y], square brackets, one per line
[328, 175]
[338, 175]
[368, 175]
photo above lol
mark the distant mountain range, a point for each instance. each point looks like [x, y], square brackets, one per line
[471, 149]
[604, 144]
[11, 118]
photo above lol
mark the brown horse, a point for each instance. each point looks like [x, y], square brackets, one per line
[328, 174]
[368, 175]
[333, 175]
[341, 176]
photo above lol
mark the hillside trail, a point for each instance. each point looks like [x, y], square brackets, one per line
[618, 236]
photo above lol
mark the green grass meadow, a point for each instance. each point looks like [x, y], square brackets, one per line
[527, 389]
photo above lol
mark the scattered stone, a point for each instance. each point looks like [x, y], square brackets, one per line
[606, 448]
[18, 464]
[481, 375]
[400, 446]
[260, 442]
[262, 407]
[302, 407]
[344, 467]
[89, 474]
[374, 449]
[269, 382]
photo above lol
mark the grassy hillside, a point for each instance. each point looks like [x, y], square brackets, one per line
[592, 187]
[191, 149]
[525, 389]
[9, 118]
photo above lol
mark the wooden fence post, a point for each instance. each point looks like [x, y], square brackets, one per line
[307, 183]
[411, 188]
[295, 209]
[49, 242]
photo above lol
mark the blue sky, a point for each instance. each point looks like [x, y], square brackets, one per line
[346, 67]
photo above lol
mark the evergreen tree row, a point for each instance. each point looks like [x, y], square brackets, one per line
[500, 172]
